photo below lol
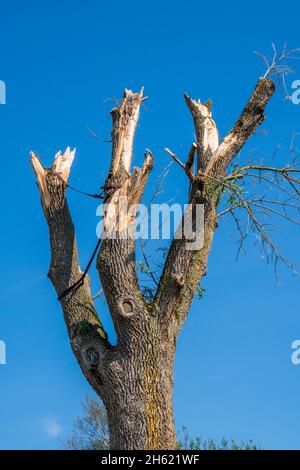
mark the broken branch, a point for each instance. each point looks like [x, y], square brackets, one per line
[251, 117]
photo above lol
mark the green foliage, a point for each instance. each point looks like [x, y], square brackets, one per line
[214, 189]
[233, 187]
[234, 192]
[198, 443]
[200, 292]
[143, 268]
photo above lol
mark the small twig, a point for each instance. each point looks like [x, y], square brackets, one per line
[97, 294]
[175, 158]
[93, 134]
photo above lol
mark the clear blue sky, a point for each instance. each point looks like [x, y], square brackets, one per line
[60, 61]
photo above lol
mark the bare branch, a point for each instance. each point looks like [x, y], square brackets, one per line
[206, 130]
[285, 180]
[84, 327]
[175, 158]
[251, 117]
[125, 118]
[277, 65]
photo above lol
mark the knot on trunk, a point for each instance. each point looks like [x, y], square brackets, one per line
[91, 354]
[178, 278]
[126, 306]
[92, 357]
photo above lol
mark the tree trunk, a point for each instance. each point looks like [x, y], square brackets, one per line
[140, 403]
[135, 378]
[139, 392]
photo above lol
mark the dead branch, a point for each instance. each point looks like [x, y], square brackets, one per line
[64, 268]
[251, 117]
[277, 65]
[206, 131]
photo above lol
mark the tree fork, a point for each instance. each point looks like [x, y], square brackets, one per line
[135, 378]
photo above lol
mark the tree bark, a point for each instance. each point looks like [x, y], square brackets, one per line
[135, 378]
[139, 398]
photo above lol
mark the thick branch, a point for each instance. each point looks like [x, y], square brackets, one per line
[251, 117]
[185, 268]
[125, 118]
[87, 336]
[116, 261]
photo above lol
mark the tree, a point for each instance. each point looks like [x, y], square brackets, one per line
[90, 432]
[135, 378]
